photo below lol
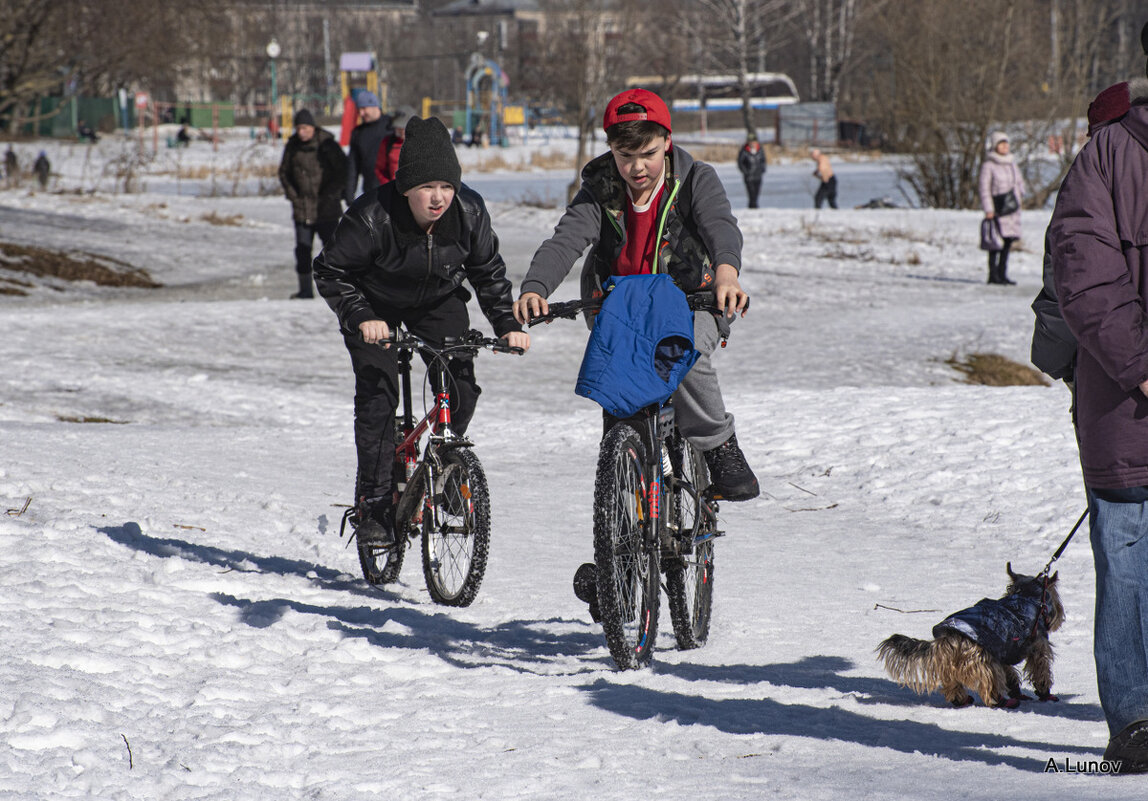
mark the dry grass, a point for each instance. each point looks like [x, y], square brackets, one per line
[994, 370]
[68, 418]
[222, 219]
[203, 172]
[76, 266]
[549, 160]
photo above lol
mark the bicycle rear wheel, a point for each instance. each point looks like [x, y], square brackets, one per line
[456, 546]
[689, 575]
[625, 551]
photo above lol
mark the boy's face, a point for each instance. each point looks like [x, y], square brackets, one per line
[429, 202]
[641, 168]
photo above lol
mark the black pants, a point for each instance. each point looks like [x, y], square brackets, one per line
[753, 189]
[305, 239]
[998, 262]
[827, 191]
[377, 387]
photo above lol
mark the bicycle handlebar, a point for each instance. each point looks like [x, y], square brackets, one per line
[470, 342]
[571, 308]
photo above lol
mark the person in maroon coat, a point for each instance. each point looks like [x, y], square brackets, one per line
[1098, 247]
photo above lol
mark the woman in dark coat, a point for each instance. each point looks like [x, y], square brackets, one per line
[751, 162]
[313, 173]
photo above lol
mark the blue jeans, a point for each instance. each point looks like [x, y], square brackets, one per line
[1119, 525]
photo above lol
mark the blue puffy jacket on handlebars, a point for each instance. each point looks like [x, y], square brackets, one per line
[641, 346]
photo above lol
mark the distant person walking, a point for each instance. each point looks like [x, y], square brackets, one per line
[751, 163]
[43, 169]
[1001, 190]
[11, 166]
[363, 149]
[313, 173]
[824, 171]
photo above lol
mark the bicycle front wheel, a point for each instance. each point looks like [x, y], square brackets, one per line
[625, 550]
[456, 532]
[690, 575]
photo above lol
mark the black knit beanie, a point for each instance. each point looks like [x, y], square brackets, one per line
[303, 117]
[427, 155]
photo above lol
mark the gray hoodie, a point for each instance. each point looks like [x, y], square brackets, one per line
[698, 229]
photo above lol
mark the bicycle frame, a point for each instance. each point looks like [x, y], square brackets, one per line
[412, 469]
[659, 433]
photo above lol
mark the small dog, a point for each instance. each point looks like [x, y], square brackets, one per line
[978, 648]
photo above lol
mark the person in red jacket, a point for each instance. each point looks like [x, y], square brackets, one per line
[387, 159]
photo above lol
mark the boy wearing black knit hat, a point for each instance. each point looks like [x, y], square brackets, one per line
[399, 257]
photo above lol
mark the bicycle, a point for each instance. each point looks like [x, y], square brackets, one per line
[653, 516]
[441, 495]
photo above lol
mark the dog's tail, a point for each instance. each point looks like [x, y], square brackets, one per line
[910, 662]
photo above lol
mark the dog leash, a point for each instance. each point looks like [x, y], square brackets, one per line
[1064, 544]
[1042, 613]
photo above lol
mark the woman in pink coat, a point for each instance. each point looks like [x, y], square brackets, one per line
[999, 176]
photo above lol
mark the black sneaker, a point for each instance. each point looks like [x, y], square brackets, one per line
[730, 476]
[586, 588]
[1130, 748]
[376, 525]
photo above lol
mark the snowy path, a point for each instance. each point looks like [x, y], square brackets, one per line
[181, 620]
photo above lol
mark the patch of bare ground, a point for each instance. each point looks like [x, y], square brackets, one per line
[27, 260]
[994, 370]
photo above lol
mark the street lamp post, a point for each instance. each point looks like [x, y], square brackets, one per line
[273, 51]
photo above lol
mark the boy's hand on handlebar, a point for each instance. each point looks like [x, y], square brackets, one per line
[374, 331]
[730, 297]
[518, 339]
[531, 304]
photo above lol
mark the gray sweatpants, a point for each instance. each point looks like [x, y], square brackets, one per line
[699, 408]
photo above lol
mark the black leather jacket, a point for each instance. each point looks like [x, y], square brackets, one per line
[380, 259]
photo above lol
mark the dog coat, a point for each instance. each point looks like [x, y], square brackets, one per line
[1002, 626]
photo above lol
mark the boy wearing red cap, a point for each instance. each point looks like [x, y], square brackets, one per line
[647, 207]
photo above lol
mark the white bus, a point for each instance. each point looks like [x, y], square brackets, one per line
[768, 90]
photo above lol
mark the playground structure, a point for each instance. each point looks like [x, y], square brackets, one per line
[486, 86]
[485, 118]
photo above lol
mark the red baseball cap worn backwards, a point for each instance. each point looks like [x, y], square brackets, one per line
[655, 109]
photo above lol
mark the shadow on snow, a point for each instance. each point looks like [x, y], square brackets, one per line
[767, 716]
[514, 644]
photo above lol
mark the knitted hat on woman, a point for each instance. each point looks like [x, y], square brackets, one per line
[427, 155]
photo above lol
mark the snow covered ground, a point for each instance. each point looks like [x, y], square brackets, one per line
[181, 620]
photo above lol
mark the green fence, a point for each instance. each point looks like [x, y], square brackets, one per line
[59, 116]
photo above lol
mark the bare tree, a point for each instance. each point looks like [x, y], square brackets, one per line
[589, 59]
[946, 80]
[828, 27]
[1089, 47]
[29, 61]
[739, 38]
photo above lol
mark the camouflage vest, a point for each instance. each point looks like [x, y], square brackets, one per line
[679, 251]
